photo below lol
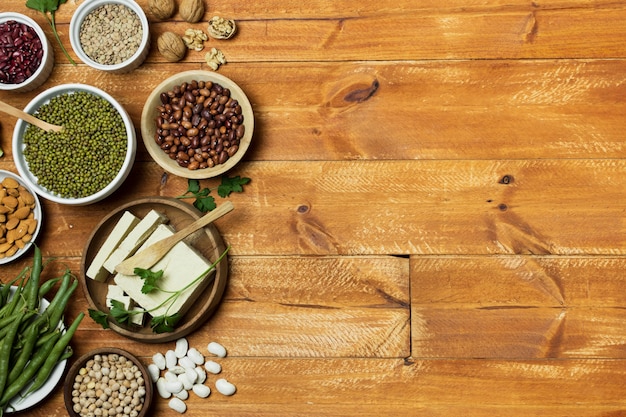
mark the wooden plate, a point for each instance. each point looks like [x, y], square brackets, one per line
[207, 241]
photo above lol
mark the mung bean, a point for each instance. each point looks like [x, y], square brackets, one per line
[86, 155]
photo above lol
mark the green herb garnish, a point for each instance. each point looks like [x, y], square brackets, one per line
[48, 8]
[204, 201]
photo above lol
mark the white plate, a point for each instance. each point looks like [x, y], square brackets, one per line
[22, 403]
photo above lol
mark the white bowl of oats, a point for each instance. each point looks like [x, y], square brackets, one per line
[110, 35]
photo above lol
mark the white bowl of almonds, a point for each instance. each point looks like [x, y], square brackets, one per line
[20, 217]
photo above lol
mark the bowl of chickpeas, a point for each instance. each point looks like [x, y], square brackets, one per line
[89, 158]
[197, 124]
[108, 382]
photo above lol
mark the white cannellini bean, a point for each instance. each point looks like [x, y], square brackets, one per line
[201, 390]
[201, 372]
[181, 347]
[178, 405]
[160, 385]
[159, 360]
[183, 395]
[170, 376]
[154, 372]
[177, 370]
[192, 375]
[195, 355]
[170, 359]
[216, 349]
[213, 367]
[185, 382]
[224, 387]
[173, 387]
[186, 363]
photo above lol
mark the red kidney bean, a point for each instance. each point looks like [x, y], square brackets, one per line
[21, 52]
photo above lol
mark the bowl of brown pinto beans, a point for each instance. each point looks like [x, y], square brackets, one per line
[197, 124]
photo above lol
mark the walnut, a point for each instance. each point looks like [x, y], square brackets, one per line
[191, 10]
[220, 28]
[215, 58]
[162, 9]
[171, 46]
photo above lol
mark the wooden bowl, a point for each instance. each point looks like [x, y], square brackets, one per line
[207, 241]
[150, 113]
[82, 361]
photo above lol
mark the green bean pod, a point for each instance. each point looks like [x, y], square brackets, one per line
[47, 286]
[24, 318]
[56, 312]
[30, 341]
[5, 353]
[55, 354]
[31, 291]
[27, 375]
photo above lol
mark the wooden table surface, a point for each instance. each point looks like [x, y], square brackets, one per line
[435, 220]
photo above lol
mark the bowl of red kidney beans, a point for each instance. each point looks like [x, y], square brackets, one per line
[26, 57]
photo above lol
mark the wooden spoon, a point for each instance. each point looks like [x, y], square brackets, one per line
[20, 114]
[153, 253]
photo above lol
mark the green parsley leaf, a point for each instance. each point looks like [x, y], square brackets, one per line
[163, 324]
[231, 185]
[48, 8]
[99, 317]
[205, 204]
[119, 313]
[193, 186]
[150, 279]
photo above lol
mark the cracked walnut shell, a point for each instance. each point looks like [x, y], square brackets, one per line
[220, 28]
[171, 46]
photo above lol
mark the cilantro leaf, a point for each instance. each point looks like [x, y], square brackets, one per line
[193, 186]
[48, 8]
[119, 313]
[231, 185]
[150, 279]
[205, 204]
[99, 317]
[163, 324]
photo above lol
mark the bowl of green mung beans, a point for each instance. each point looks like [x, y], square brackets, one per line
[85, 162]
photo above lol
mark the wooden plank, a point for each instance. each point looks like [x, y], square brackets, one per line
[408, 207]
[449, 110]
[351, 32]
[346, 387]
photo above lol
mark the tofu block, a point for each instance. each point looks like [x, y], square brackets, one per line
[180, 266]
[114, 291]
[124, 299]
[122, 228]
[140, 233]
[137, 318]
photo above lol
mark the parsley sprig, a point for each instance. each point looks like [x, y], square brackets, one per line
[159, 324]
[206, 202]
[48, 8]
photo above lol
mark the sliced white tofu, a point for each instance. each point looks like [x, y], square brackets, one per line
[137, 318]
[122, 228]
[140, 233]
[181, 266]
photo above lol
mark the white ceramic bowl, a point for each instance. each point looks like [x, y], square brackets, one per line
[149, 128]
[130, 64]
[38, 214]
[31, 179]
[47, 60]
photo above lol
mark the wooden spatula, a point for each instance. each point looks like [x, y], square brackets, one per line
[155, 252]
[20, 114]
